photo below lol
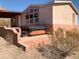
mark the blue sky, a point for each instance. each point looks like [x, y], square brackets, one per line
[20, 5]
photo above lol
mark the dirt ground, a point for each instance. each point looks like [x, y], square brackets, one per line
[8, 51]
[75, 54]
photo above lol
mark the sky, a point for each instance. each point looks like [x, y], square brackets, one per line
[20, 5]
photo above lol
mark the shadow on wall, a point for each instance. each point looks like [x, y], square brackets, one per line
[10, 34]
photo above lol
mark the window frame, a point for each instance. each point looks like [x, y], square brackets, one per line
[73, 20]
[28, 16]
[32, 16]
[32, 21]
[36, 15]
[36, 21]
[31, 10]
[36, 9]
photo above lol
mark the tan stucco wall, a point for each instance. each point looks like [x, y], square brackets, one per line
[23, 17]
[53, 14]
[45, 15]
[63, 14]
[23, 21]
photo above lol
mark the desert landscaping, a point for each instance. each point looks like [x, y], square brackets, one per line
[51, 51]
[40, 31]
[9, 51]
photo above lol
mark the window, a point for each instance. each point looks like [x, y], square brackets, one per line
[31, 10]
[31, 20]
[31, 15]
[36, 9]
[73, 18]
[36, 20]
[27, 16]
[35, 14]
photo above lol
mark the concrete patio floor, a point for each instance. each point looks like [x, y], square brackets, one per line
[34, 41]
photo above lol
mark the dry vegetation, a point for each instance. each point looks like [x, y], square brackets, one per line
[5, 22]
[63, 46]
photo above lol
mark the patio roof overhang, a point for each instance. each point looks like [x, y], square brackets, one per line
[8, 14]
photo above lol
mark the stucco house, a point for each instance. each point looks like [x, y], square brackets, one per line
[59, 12]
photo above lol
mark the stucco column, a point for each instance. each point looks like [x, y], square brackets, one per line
[19, 21]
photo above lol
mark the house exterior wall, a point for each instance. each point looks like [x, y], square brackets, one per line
[64, 14]
[23, 19]
[26, 22]
[56, 14]
[45, 15]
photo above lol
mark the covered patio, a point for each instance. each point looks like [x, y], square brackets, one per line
[12, 15]
[15, 21]
[13, 34]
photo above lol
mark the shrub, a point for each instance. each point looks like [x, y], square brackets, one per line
[4, 22]
[63, 43]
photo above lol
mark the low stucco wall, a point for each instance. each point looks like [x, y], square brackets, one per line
[13, 35]
[10, 34]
